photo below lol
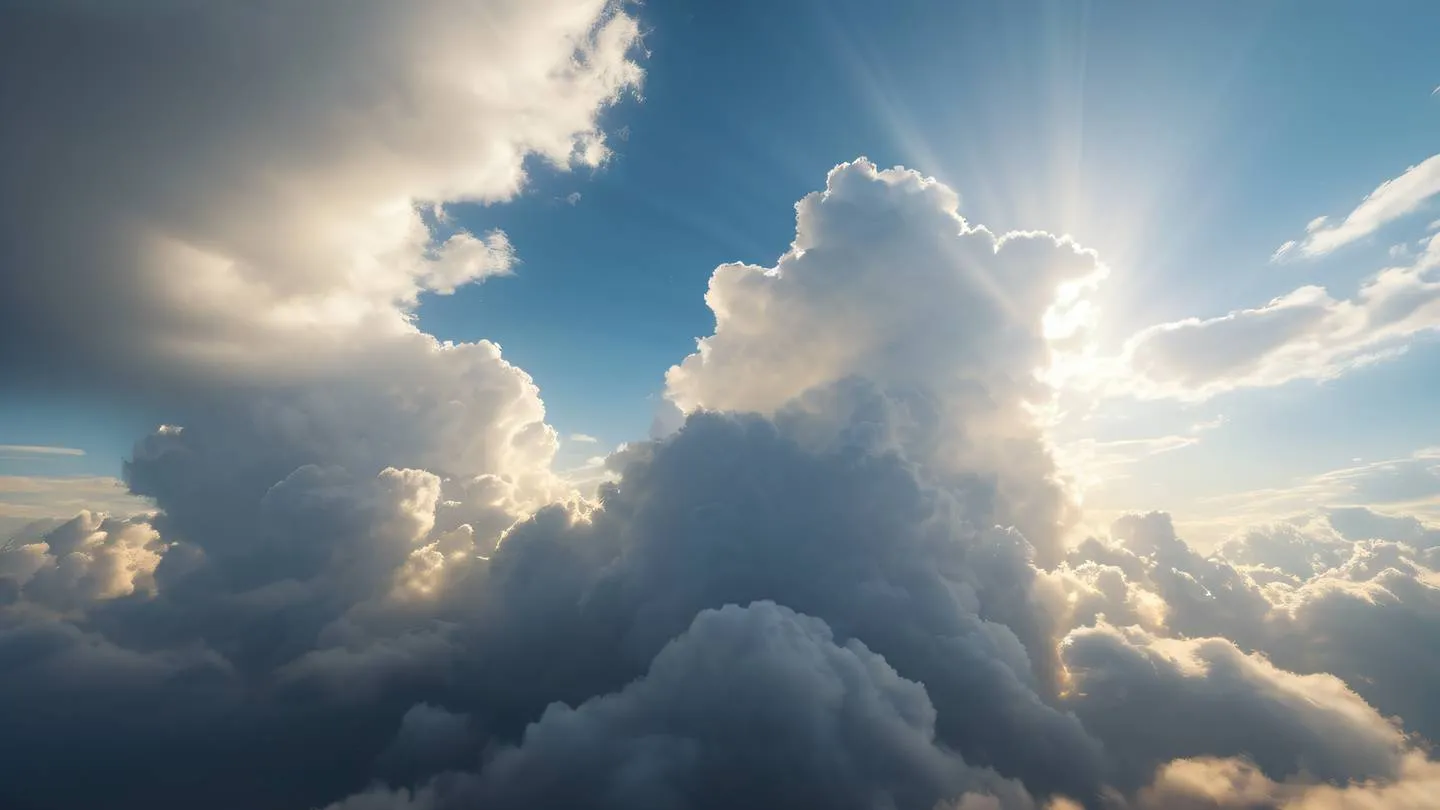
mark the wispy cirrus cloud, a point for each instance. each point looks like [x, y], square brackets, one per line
[37, 451]
[1410, 483]
[1092, 461]
[1391, 200]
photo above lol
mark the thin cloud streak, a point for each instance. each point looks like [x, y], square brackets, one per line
[24, 450]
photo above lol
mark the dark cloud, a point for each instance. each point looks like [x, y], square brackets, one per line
[735, 509]
[749, 707]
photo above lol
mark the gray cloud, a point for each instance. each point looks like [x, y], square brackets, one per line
[755, 707]
[1312, 599]
[1152, 702]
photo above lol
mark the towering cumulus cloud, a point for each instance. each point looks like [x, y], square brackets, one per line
[886, 282]
[846, 580]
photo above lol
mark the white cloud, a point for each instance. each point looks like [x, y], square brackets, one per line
[1393, 199]
[253, 233]
[1304, 335]
[289, 211]
[886, 282]
[904, 298]
[31, 450]
[583, 438]
[89, 557]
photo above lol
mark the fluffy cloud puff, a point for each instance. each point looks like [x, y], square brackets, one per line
[86, 559]
[886, 281]
[1314, 600]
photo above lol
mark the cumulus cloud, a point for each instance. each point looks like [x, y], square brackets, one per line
[1153, 700]
[86, 559]
[886, 281]
[230, 180]
[1346, 593]
[253, 197]
[1391, 200]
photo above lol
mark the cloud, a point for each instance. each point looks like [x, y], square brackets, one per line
[229, 182]
[1304, 335]
[1410, 483]
[1178, 699]
[333, 576]
[886, 281]
[86, 559]
[1391, 200]
[1093, 463]
[1347, 594]
[1236, 784]
[753, 706]
[583, 438]
[836, 576]
[32, 450]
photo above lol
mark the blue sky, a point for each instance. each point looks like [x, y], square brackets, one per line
[1184, 142]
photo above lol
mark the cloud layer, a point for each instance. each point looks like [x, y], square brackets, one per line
[841, 578]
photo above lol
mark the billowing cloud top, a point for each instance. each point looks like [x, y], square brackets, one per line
[885, 281]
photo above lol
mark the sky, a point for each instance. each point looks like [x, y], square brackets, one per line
[691, 398]
[1183, 144]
